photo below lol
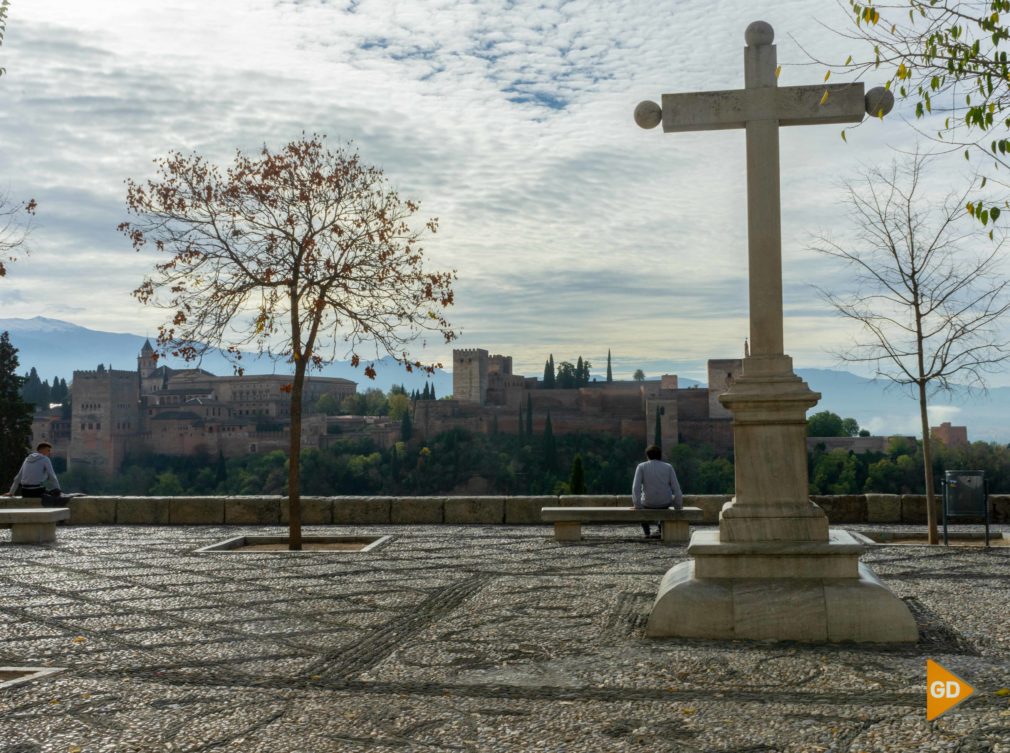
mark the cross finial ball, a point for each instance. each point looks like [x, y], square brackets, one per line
[759, 34]
[879, 101]
[648, 114]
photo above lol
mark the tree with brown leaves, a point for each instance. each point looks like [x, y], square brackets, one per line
[290, 253]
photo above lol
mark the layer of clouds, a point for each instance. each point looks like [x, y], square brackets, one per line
[572, 230]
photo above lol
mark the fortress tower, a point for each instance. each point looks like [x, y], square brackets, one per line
[722, 372]
[146, 361]
[106, 417]
[469, 375]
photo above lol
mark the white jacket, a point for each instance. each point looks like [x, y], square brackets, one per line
[656, 486]
[36, 471]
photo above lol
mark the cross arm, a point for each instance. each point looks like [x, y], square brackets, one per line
[790, 105]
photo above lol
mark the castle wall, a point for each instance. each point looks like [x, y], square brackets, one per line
[717, 433]
[184, 412]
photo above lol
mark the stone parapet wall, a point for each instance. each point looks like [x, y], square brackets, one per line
[458, 510]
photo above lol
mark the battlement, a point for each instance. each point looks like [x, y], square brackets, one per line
[107, 374]
[460, 353]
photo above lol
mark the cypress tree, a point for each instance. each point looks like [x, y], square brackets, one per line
[425, 394]
[34, 390]
[221, 469]
[610, 372]
[529, 415]
[431, 395]
[550, 447]
[394, 461]
[577, 479]
[519, 426]
[406, 427]
[580, 375]
[554, 381]
[58, 392]
[548, 374]
[15, 413]
[658, 441]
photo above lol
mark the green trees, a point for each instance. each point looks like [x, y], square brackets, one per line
[406, 427]
[38, 392]
[566, 378]
[291, 253]
[35, 391]
[59, 392]
[949, 58]
[610, 371]
[568, 375]
[577, 477]
[548, 380]
[15, 413]
[371, 402]
[550, 448]
[828, 424]
[519, 465]
[638, 376]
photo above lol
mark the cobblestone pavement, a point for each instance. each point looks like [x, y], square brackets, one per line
[462, 639]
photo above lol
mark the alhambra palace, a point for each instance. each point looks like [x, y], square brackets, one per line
[157, 409]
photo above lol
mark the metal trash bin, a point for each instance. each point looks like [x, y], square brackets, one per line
[965, 495]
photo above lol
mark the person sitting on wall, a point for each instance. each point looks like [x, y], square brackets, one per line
[36, 478]
[655, 486]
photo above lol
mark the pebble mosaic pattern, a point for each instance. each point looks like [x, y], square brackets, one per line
[454, 638]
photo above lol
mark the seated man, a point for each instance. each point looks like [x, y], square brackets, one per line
[655, 486]
[37, 479]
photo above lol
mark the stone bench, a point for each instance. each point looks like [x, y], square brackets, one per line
[33, 525]
[674, 524]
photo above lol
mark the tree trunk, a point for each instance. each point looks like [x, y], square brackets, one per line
[927, 462]
[294, 461]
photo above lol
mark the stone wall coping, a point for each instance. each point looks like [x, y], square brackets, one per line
[476, 509]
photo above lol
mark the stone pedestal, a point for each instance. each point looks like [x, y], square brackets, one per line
[774, 570]
[779, 592]
[772, 503]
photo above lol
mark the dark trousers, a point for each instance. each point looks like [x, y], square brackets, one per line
[50, 497]
[645, 526]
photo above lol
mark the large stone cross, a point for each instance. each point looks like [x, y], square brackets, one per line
[774, 569]
[760, 108]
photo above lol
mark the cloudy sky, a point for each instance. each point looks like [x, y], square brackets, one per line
[572, 230]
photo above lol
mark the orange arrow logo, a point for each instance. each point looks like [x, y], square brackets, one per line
[944, 690]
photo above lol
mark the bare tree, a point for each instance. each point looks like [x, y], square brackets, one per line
[15, 226]
[289, 253]
[927, 290]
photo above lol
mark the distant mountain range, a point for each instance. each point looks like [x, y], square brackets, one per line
[57, 348]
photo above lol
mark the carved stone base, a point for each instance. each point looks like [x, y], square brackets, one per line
[817, 592]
